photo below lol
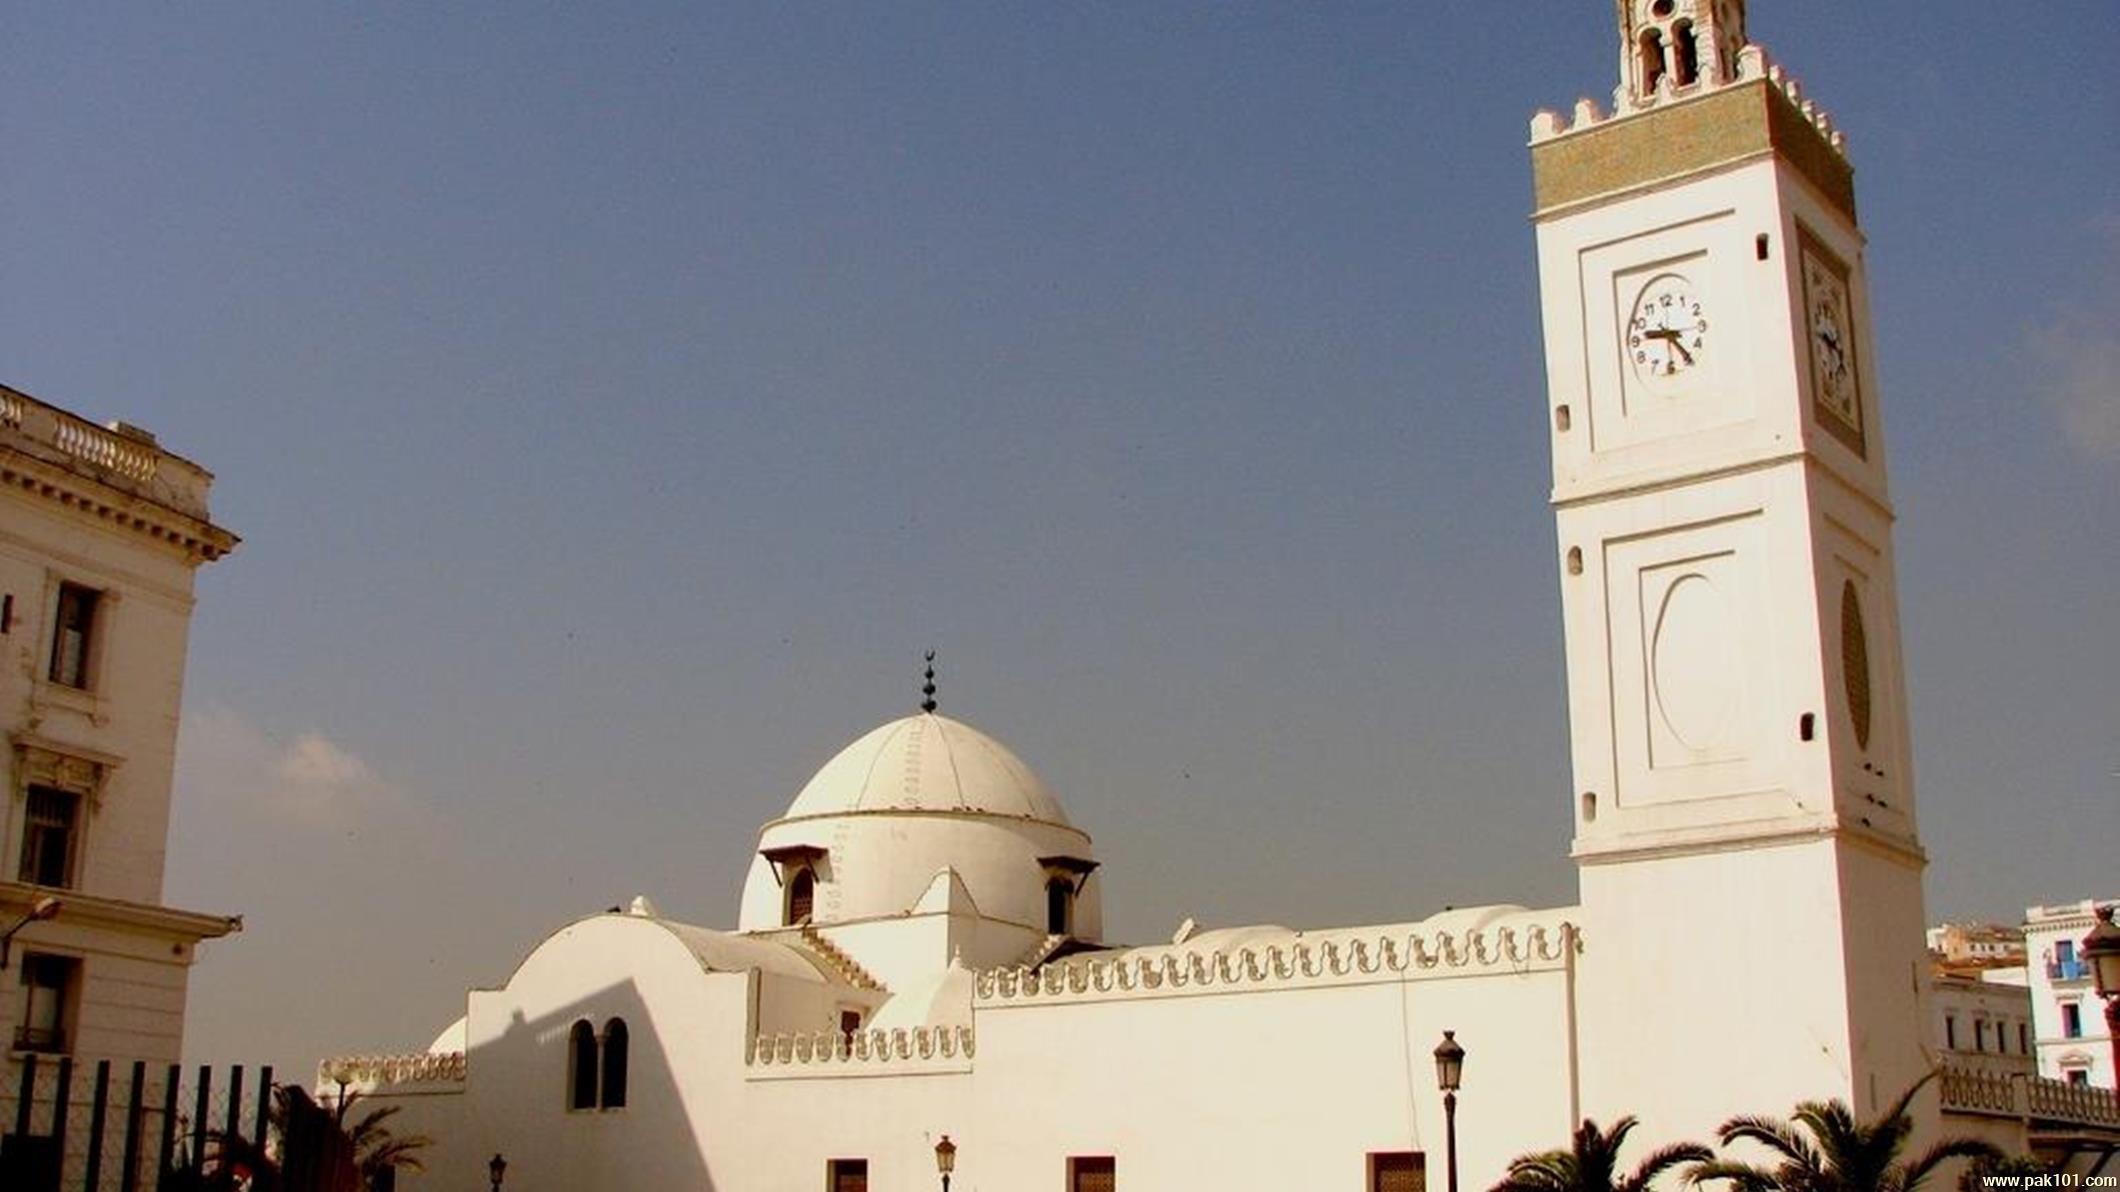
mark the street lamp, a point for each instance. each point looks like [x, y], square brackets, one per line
[44, 908]
[945, 1160]
[1449, 1070]
[2101, 954]
[496, 1170]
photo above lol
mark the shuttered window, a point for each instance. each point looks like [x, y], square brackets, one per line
[48, 837]
[802, 893]
[850, 1175]
[1093, 1174]
[1397, 1171]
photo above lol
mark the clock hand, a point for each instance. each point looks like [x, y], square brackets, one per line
[1681, 348]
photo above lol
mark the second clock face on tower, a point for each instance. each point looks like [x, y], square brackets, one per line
[1829, 326]
[1666, 337]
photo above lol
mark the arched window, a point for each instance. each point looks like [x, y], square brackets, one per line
[615, 1064]
[802, 895]
[1059, 906]
[1652, 61]
[1686, 51]
[581, 1066]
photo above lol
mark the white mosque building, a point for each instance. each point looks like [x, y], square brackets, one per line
[918, 953]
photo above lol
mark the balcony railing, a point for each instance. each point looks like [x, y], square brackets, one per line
[1965, 1090]
[2067, 970]
[121, 456]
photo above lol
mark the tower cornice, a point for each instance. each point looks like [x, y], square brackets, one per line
[1598, 157]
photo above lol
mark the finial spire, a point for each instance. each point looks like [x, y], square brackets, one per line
[927, 689]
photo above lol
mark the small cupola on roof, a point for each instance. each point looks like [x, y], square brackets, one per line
[866, 835]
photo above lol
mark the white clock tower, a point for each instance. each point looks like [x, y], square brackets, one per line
[1744, 815]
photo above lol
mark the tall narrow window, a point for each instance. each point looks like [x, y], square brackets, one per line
[615, 1064]
[1950, 1031]
[2071, 1020]
[48, 837]
[48, 984]
[1652, 51]
[847, 1175]
[2024, 1039]
[1093, 1173]
[73, 634]
[581, 1066]
[802, 896]
[1685, 51]
[1979, 1035]
[1397, 1171]
[1059, 906]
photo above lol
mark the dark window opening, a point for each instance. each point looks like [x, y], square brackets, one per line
[1059, 906]
[48, 984]
[73, 634]
[1950, 1032]
[581, 1066]
[1397, 1171]
[802, 896]
[848, 1175]
[48, 837]
[615, 1064]
[849, 1023]
[2024, 1039]
[1687, 53]
[2071, 1020]
[1652, 51]
[1099, 1173]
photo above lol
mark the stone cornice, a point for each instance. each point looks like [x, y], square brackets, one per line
[95, 910]
[115, 475]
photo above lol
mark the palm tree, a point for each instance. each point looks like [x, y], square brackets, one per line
[318, 1151]
[1832, 1152]
[1592, 1164]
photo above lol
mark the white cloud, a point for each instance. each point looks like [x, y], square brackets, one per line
[2081, 382]
[2077, 355]
[227, 764]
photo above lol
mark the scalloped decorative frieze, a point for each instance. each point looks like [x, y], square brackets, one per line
[1327, 961]
[862, 1047]
[382, 1071]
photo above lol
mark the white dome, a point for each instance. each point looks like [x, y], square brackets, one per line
[927, 762]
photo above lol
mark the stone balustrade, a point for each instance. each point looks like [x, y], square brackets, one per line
[122, 457]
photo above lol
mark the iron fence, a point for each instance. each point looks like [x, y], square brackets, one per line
[120, 1127]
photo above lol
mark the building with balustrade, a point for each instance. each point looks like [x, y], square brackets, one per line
[2075, 1044]
[102, 532]
[918, 957]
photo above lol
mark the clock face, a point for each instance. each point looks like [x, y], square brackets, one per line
[1830, 327]
[1667, 338]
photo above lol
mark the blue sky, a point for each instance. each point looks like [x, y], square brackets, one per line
[615, 402]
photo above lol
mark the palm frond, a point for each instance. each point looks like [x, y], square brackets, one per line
[1743, 1176]
[1917, 1173]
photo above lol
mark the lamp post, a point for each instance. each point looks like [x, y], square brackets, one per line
[2101, 954]
[496, 1170]
[1449, 1070]
[945, 1160]
[42, 909]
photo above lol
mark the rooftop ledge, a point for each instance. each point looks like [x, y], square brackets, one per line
[120, 455]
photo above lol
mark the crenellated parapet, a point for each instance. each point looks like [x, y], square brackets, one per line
[913, 1048]
[1337, 958]
[431, 1070]
[1752, 64]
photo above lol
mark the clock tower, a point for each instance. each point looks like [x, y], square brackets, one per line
[1743, 799]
